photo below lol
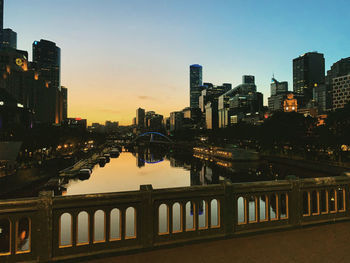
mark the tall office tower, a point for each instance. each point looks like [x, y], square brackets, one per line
[1, 15]
[47, 64]
[338, 69]
[47, 60]
[9, 38]
[140, 117]
[195, 85]
[308, 72]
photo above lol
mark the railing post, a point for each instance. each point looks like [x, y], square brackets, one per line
[295, 202]
[44, 242]
[146, 220]
[228, 209]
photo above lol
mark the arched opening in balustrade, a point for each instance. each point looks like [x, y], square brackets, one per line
[274, 209]
[190, 216]
[203, 215]
[214, 213]
[284, 206]
[99, 226]
[341, 199]
[115, 225]
[315, 203]
[5, 237]
[65, 230]
[306, 203]
[177, 218]
[324, 201]
[23, 235]
[130, 223]
[253, 208]
[332, 201]
[83, 223]
[263, 202]
[163, 219]
[241, 210]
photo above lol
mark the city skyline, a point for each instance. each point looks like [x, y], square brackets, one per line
[149, 68]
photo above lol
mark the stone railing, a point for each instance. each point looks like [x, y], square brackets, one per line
[48, 229]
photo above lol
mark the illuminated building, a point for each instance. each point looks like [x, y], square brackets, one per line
[308, 70]
[341, 91]
[14, 116]
[320, 97]
[338, 69]
[195, 85]
[47, 60]
[290, 103]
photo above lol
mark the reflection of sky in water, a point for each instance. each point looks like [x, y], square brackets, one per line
[122, 174]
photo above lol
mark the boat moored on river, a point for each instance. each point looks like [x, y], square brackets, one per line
[232, 154]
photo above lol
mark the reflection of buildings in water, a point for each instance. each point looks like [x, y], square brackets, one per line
[205, 175]
[140, 162]
[176, 163]
[200, 208]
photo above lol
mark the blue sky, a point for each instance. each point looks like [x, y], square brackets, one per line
[119, 55]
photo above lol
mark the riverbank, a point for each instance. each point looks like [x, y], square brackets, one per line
[332, 168]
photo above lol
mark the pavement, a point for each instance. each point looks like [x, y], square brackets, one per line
[322, 244]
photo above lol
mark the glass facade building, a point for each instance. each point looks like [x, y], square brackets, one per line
[196, 83]
[308, 71]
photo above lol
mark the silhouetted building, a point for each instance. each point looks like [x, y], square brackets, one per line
[241, 101]
[308, 72]
[9, 38]
[195, 85]
[176, 120]
[338, 69]
[64, 98]
[341, 91]
[140, 117]
[248, 79]
[47, 60]
[77, 123]
[320, 98]
[279, 92]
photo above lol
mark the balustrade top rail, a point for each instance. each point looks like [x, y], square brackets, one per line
[53, 228]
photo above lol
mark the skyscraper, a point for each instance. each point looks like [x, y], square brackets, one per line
[308, 72]
[1, 15]
[9, 38]
[47, 60]
[195, 85]
[47, 63]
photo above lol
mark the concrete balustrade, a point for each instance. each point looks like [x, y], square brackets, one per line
[48, 228]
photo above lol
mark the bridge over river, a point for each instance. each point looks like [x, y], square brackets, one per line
[283, 221]
[321, 244]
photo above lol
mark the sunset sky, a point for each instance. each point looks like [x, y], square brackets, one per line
[118, 55]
